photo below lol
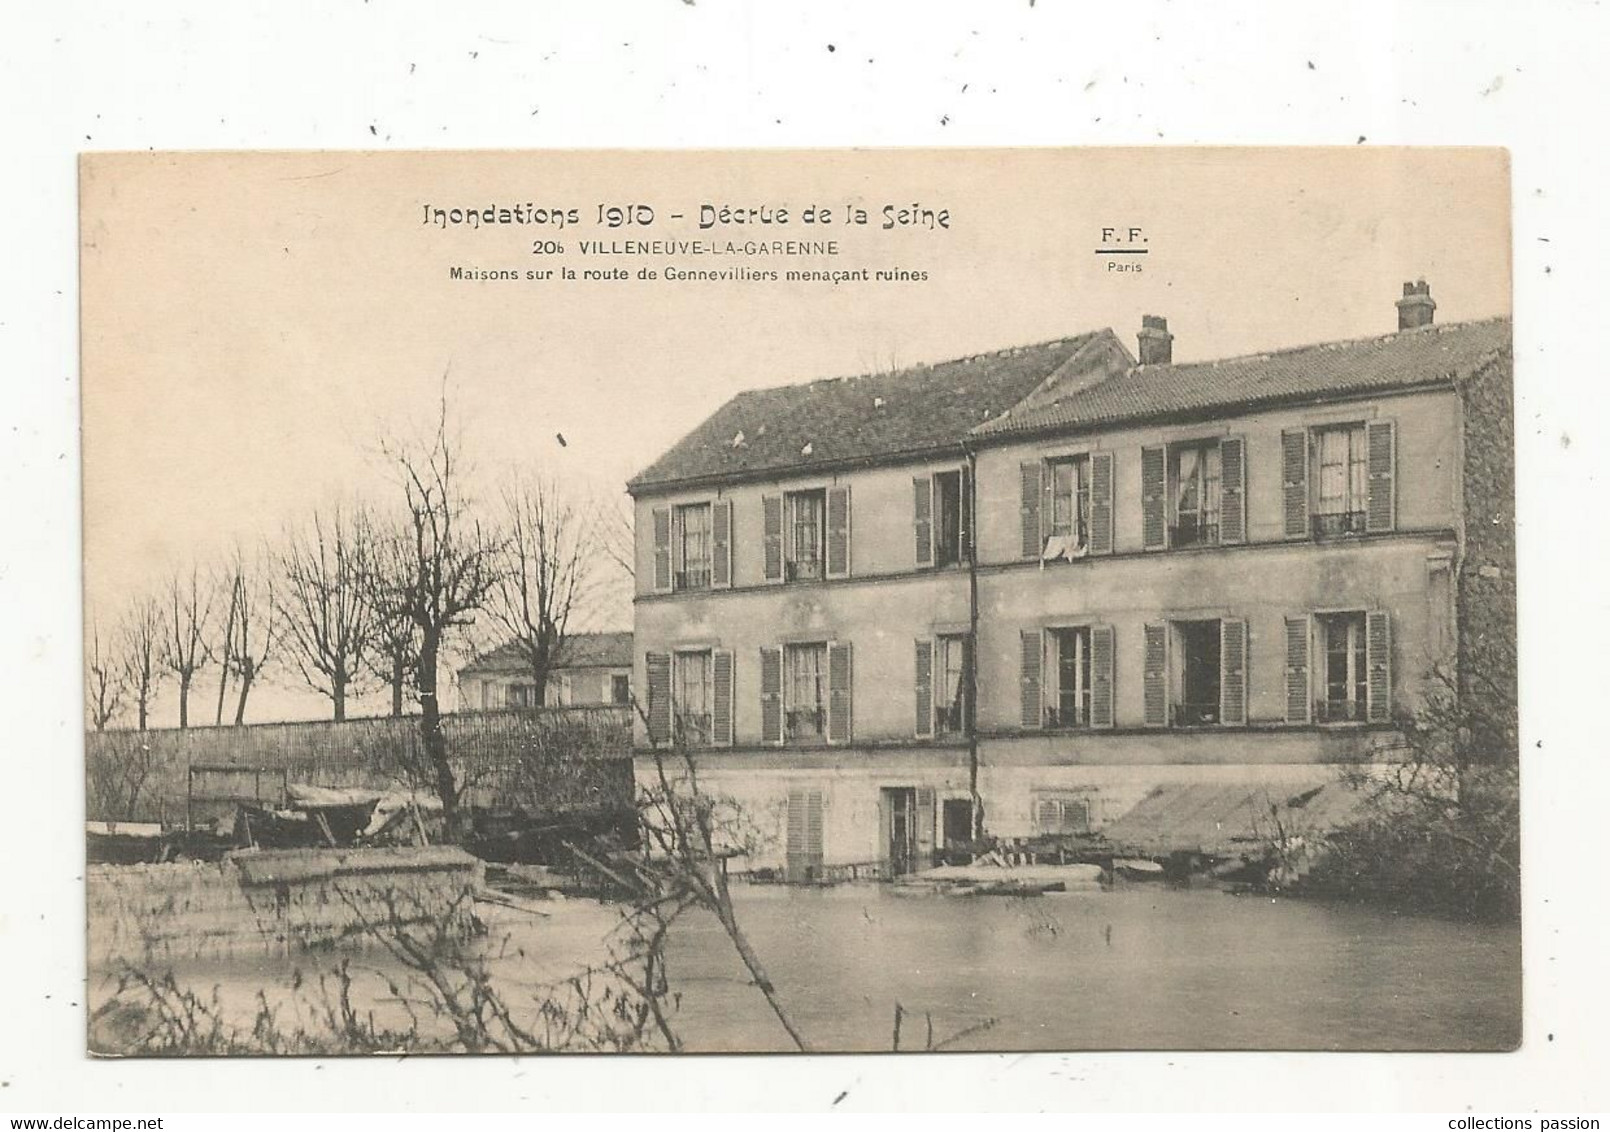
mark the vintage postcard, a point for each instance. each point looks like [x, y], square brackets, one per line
[891, 600]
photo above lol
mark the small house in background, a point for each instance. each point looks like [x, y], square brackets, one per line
[594, 669]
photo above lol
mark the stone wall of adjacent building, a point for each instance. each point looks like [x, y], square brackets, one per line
[549, 759]
[1486, 583]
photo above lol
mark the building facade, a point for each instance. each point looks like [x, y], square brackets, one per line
[1034, 592]
[593, 669]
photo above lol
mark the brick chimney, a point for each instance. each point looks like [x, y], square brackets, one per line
[1417, 308]
[1156, 343]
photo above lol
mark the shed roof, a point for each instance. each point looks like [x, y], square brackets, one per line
[581, 650]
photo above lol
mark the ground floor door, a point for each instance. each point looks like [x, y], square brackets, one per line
[908, 828]
[957, 821]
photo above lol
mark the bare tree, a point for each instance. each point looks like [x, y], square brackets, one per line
[257, 630]
[615, 535]
[326, 619]
[141, 647]
[185, 649]
[395, 656]
[438, 569]
[106, 679]
[228, 582]
[546, 572]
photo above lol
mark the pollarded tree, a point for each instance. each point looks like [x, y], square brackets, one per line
[140, 643]
[106, 680]
[185, 650]
[549, 548]
[257, 630]
[326, 621]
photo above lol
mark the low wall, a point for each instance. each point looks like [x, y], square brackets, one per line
[268, 902]
[549, 758]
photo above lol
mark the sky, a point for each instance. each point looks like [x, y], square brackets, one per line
[253, 324]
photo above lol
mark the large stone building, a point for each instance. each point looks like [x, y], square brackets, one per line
[1054, 589]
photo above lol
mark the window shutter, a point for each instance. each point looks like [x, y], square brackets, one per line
[772, 529]
[721, 697]
[1101, 660]
[1294, 479]
[838, 532]
[1153, 493]
[1029, 477]
[1047, 815]
[965, 513]
[721, 542]
[925, 688]
[1378, 661]
[1232, 490]
[1380, 512]
[1299, 699]
[1031, 714]
[658, 667]
[771, 695]
[1156, 676]
[925, 827]
[840, 686]
[922, 507]
[1232, 672]
[1101, 503]
[804, 854]
[662, 549]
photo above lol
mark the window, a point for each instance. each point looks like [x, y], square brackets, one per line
[950, 689]
[1341, 480]
[805, 516]
[1196, 699]
[805, 693]
[691, 548]
[950, 538]
[1070, 674]
[1068, 482]
[1194, 477]
[521, 695]
[1344, 673]
[620, 688]
[691, 698]
[1061, 813]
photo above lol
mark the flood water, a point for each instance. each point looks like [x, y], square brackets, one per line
[1144, 967]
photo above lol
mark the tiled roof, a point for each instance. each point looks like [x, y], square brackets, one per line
[581, 650]
[875, 416]
[1432, 355]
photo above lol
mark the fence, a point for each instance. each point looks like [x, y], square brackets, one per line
[544, 758]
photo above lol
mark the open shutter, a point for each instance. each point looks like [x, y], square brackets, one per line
[838, 532]
[1299, 704]
[721, 697]
[1029, 478]
[804, 853]
[922, 510]
[925, 688]
[1101, 503]
[840, 685]
[1378, 661]
[1294, 480]
[662, 549]
[1233, 672]
[771, 507]
[1155, 687]
[965, 514]
[721, 542]
[1153, 497]
[658, 667]
[771, 695]
[1031, 714]
[1101, 663]
[1232, 490]
[925, 827]
[1380, 512]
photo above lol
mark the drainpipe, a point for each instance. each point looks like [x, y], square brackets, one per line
[972, 636]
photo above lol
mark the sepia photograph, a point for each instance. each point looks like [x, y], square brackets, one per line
[799, 601]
